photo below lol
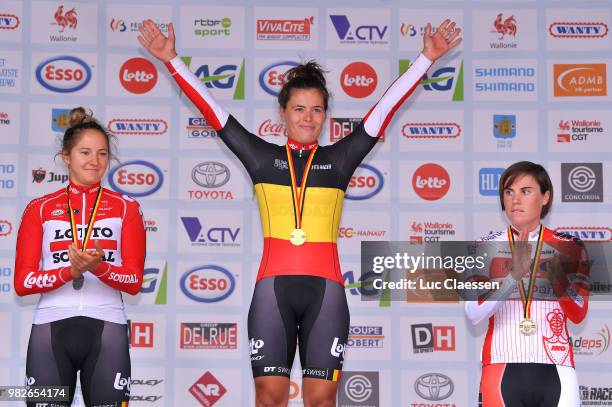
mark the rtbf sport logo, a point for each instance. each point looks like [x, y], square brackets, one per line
[63, 74]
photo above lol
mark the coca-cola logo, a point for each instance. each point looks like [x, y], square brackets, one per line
[138, 75]
[358, 80]
[431, 181]
[270, 128]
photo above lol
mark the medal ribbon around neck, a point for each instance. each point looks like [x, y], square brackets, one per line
[526, 298]
[298, 196]
[73, 227]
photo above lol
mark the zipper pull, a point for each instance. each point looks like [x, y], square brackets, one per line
[302, 149]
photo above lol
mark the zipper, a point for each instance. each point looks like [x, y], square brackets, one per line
[83, 240]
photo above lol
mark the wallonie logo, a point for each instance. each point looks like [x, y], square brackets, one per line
[136, 178]
[63, 74]
[366, 184]
[208, 283]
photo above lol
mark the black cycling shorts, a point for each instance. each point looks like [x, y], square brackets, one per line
[307, 309]
[98, 349]
[528, 385]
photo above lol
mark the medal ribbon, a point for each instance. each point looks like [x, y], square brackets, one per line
[527, 297]
[298, 196]
[73, 227]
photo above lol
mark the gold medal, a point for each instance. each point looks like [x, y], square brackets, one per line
[297, 237]
[527, 327]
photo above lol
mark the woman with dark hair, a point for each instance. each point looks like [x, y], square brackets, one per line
[80, 247]
[299, 294]
[527, 357]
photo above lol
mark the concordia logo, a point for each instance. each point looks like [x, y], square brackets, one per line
[223, 77]
[63, 74]
[431, 130]
[9, 22]
[578, 30]
[151, 127]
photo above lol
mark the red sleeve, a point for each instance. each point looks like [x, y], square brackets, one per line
[574, 297]
[128, 276]
[29, 278]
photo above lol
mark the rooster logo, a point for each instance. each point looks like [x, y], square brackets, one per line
[69, 19]
[507, 26]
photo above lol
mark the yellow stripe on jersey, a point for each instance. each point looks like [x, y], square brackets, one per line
[321, 212]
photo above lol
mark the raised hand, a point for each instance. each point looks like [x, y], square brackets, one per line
[160, 46]
[521, 255]
[438, 44]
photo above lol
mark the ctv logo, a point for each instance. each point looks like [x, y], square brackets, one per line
[140, 334]
[361, 34]
[444, 79]
[429, 338]
[214, 236]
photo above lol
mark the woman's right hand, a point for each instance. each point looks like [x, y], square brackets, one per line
[521, 255]
[160, 46]
[81, 262]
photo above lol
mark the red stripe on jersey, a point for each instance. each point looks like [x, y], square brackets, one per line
[64, 244]
[490, 385]
[486, 348]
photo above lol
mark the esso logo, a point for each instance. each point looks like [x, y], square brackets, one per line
[365, 183]
[272, 77]
[63, 74]
[431, 181]
[208, 283]
[136, 178]
[138, 75]
[358, 80]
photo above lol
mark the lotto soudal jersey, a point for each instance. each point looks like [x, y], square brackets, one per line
[42, 264]
[329, 175]
[551, 307]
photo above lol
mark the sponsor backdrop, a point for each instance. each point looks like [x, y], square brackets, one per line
[529, 81]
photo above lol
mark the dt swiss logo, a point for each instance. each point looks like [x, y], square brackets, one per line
[63, 74]
[138, 75]
[365, 184]
[578, 30]
[431, 181]
[207, 284]
[272, 77]
[431, 130]
[207, 390]
[151, 127]
[9, 22]
[136, 178]
[358, 80]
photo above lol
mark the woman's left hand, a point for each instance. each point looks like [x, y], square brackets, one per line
[438, 44]
[85, 261]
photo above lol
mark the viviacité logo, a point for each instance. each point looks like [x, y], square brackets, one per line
[63, 74]
[284, 30]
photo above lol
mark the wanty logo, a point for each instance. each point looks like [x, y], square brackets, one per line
[580, 80]
[431, 181]
[435, 130]
[60, 119]
[440, 80]
[577, 130]
[365, 336]
[272, 77]
[429, 338]
[146, 127]
[588, 234]
[223, 77]
[368, 182]
[207, 390]
[207, 284]
[284, 30]
[209, 335]
[269, 128]
[138, 75]
[150, 280]
[9, 22]
[198, 128]
[136, 178]
[212, 237]
[505, 26]
[67, 19]
[358, 80]
[578, 29]
[63, 74]
[363, 34]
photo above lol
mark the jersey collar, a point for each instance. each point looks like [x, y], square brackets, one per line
[296, 145]
[532, 234]
[83, 189]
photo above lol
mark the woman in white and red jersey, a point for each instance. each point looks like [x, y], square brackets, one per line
[527, 358]
[80, 247]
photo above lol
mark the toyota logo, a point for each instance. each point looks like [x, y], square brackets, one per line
[358, 388]
[210, 174]
[582, 178]
[434, 386]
